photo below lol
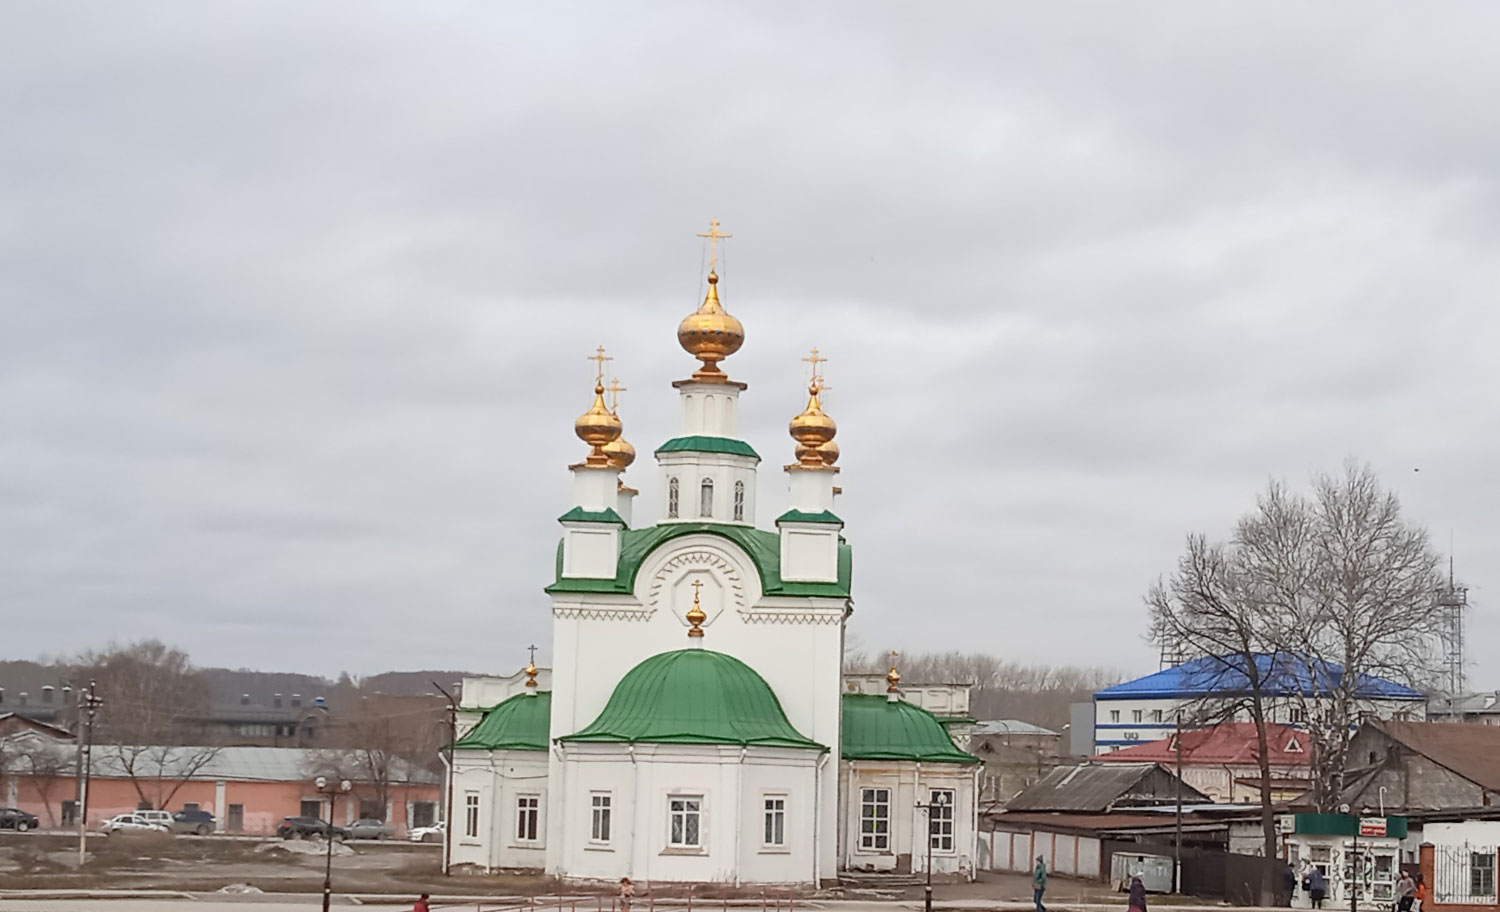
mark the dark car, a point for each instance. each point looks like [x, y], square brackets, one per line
[16, 819]
[307, 828]
[200, 822]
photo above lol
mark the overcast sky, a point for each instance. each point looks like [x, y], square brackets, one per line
[297, 300]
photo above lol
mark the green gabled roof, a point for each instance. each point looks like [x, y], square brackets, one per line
[877, 729]
[694, 696]
[579, 514]
[701, 443]
[520, 723]
[763, 547]
[824, 516]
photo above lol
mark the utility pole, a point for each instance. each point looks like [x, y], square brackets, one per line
[91, 704]
[448, 799]
[1177, 839]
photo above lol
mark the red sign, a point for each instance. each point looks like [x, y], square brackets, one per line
[1372, 826]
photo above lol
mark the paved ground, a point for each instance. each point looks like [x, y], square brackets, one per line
[282, 903]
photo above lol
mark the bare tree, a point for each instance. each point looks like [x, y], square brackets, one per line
[380, 740]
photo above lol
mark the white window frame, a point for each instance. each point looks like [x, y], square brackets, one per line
[706, 498]
[773, 821]
[685, 813]
[739, 501]
[1114, 716]
[674, 497]
[1136, 715]
[871, 800]
[941, 817]
[528, 809]
[601, 817]
[471, 815]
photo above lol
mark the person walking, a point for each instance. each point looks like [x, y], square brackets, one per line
[1137, 894]
[627, 893]
[421, 904]
[1317, 887]
[1039, 883]
[1406, 893]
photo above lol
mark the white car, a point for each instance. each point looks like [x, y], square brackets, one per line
[131, 823]
[432, 833]
[162, 817]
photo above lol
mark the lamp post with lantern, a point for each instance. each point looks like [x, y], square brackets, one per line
[332, 789]
[939, 800]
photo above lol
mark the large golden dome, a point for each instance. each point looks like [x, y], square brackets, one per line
[597, 427]
[710, 334]
[812, 429]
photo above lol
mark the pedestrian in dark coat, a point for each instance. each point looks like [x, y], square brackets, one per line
[1137, 894]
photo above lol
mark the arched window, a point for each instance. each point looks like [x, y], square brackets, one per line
[672, 496]
[706, 499]
[739, 501]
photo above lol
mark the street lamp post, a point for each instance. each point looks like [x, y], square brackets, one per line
[939, 800]
[332, 790]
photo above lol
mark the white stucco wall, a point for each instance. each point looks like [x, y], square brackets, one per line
[498, 778]
[908, 783]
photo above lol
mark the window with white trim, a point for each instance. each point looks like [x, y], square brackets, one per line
[471, 814]
[739, 501]
[775, 830]
[685, 815]
[1135, 715]
[706, 499]
[528, 817]
[1114, 715]
[940, 819]
[600, 813]
[673, 492]
[875, 819]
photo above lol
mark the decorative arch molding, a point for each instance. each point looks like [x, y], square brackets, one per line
[820, 616]
[597, 613]
[698, 557]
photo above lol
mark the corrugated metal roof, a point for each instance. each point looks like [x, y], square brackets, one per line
[1009, 727]
[876, 728]
[1472, 751]
[1230, 742]
[1285, 674]
[1098, 788]
[520, 723]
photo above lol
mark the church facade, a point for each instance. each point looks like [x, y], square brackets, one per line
[694, 726]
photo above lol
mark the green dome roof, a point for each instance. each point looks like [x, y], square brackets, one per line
[694, 696]
[520, 723]
[878, 729]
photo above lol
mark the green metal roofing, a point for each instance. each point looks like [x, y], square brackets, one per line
[694, 696]
[823, 516]
[579, 514]
[763, 547]
[702, 443]
[877, 729]
[520, 723]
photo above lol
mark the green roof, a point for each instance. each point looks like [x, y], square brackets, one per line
[878, 729]
[694, 696]
[763, 547]
[520, 723]
[702, 443]
[579, 514]
[798, 516]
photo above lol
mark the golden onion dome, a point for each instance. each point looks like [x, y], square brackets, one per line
[621, 454]
[830, 453]
[597, 427]
[812, 429]
[710, 334]
[893, 681]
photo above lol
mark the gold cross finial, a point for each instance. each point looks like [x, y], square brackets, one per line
[615, 389]
[600, 357]
[817, 378]
[696, 615]
[532, 651]
[714, 235]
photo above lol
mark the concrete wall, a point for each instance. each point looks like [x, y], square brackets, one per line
[1068, 854]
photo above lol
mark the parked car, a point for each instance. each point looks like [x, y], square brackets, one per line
[17, 819]
[370, 828]
[308, 828]
[432, 833]
[200, 822]
[162, 817]
[131, 823]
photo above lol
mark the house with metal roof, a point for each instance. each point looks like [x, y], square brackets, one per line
[697, 728]
[1146, 708]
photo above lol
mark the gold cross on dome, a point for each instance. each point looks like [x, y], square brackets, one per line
[615, 389]
[815, 359]
[600, 357]
[697, 584]
[714, 235]
[532, 651]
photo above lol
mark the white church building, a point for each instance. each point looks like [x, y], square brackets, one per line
[694, 725]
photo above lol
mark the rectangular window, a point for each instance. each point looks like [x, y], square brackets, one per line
[940, 819]
[775, 834]
[1156, 715]
[190, 806]
[599, 829]
[1136, 715]
[471, 814]
[312, 808]
[875, 819]
[528, 813]
[1481, 874]
[1114, 715]
[686, 818]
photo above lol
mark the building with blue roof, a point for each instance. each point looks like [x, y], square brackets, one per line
[1145, 709]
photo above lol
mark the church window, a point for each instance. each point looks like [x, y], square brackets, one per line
[528, 812]
[875, 819]
[672, 496]
[940, 819]
[471, 814]
[775, 820]
[706, 499]
[686, 817]
[599, 829]
[739, 501]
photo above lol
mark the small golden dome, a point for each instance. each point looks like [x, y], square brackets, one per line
[597, 427]
[620, 452]
[531, 671]
[829, 451]
[812, 429]
[696, 615]
[710, 334]
[893, 679]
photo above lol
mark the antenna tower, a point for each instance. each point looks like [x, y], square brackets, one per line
[1453, 600]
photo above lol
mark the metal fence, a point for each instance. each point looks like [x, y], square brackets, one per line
[766, 902]
[1464, 874]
